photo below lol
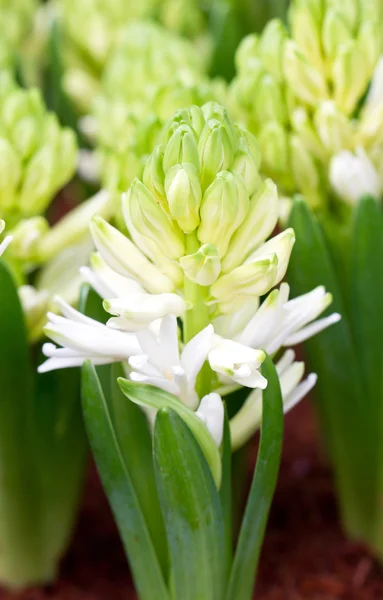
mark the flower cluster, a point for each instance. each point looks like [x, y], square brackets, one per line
[16, 20]
[198, 220]
[151, 73]
[297, 90]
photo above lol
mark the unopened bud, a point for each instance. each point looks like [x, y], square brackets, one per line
[348, 89]
[259, 224]
[26, 237]
[336, 32]
[271, 46]
[215, 150]
[224, 207]
[252, 279]
[202, 267]
[182, 147]
[153, 175]
[10, 174]
[306, 31]
[305, 170]
[183, 191]
[307, 82]
[147, 217]
[334, 128]
[269, 102]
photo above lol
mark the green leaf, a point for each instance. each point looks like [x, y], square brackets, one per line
[254, 522]
[117, 482]
[225, 492]
[366, 296]
[153, 397]
[20, 493]
[191, 509]
[333, 357]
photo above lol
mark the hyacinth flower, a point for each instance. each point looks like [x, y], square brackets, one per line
[183, 329]
[42, 438]
[320, 131]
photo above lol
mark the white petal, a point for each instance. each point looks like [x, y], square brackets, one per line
[285, 361]
[299, 392]
[195, 353]
[312, 329]
[211, 412]
[142, 309]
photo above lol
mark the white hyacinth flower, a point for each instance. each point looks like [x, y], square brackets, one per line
[353, 176]
[237, 362]
[160, 363]
[107, 282]
[248, 419]
[282, 322]
[83, 338]
[6, 241]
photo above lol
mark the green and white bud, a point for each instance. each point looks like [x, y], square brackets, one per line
[216, 151]
[281, 245]
[269, 101]
[224, 206]
[26, 237]
[334, 128]
[305, 170]
[247, 51]
[184, 195]
[271, 47]
[154, 176]
[306, 31]
[336, 32]
[147, 217]
[307, 82]
[10, 175]
[181, 148]
[251, 279]
[202, 267]
[259, 223]
[303, 126]
[124, 257]
[274, 143]
[348, 89]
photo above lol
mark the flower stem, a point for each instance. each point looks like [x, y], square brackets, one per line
[197, 317]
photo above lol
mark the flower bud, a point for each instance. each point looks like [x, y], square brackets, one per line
[281, 245]
[38, 184]
[251, 279]
[306, 30]
[215, 150]
[26, 136]
[147, 217]
[245, 166]
[349, 10]
[369, 38]
[303, 127]
[273, 140]
[202, 267]
[181, 148]
[269, 103]
[154, 177]
[336, 32]
[10, 174]
[26, 237]
[224, 206]
[66, 159]
[305, 170]
[259, 223]
[271, 45]
[306, 81]
[354, 176]
[247, 51]
[184, 195]
[348, 89]
[125, 258]
[334, 128]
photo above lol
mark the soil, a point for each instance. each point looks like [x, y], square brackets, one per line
[305, 555]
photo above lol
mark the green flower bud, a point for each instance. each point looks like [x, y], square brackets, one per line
[348, 9]
[245, 166]
[181, 148]
[303, 127]
[184, 195]
[10, 175]
[247, 51]
[154, 176]
[252, 279]
[348, 89]
[202, 267]
[25, 137]
[273, 140]
[334, 128]
[336, 32]
[224, 206]
[259, 223]
[370, 41]
[305, 170]
[147, 217]
[26, 237]
[271, 46]
[306, 31]
[306, 81]
[215, 150]
[269, 102]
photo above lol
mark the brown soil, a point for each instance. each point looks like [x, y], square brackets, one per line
[305, 555]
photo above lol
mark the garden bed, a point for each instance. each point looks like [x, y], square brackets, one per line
[305, 555]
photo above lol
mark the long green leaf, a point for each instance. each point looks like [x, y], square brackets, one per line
[226, 493]
[20, 493]
[262, 490]
[333, 357]
[153, 397]
[191, 509]
[146, 569]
